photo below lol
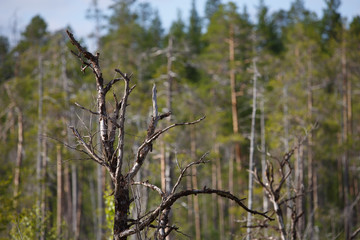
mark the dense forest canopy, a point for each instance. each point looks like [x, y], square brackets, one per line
[281, 98]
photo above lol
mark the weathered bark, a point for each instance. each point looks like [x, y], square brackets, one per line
[122, 205]
[251, 154]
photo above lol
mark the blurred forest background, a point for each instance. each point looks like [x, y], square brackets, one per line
[292, 75]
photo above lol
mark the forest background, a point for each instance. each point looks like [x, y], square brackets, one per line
[306, 68]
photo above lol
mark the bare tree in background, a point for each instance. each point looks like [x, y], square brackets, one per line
[273, 185]
[112, 133]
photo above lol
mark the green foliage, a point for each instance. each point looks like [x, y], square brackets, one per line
[109, 212]
[28, 225]
[36, 30]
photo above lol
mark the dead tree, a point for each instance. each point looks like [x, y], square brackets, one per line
[273, 186]
[112, 134]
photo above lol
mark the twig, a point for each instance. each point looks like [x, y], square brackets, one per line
[183, 171]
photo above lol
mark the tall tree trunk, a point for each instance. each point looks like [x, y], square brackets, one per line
[195, 184]
[345, 131]
[263, 157]
[59, 194]
[39, 142]
[221, 204]
[190, 207]
[78, 212]
[311, 172]
[234, 112]
[19, 154]
[20, 146]
[251, 155]
[74, 197]
[231, 189]
[68, 202]
[286, 148]
[166, 154]
[234, 122]
[300, 190]
[213, 197]
[43, 187]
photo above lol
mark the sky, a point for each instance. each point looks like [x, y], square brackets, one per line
[16, 14]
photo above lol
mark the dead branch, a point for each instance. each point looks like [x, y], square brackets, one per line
[87, 147]
[172, 198]
[183, 171]
[355, 233]
[151, 186]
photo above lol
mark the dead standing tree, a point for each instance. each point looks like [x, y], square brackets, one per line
[273, 186]
[112, 132]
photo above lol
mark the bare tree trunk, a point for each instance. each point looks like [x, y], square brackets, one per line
[311, 172]
[231, 189]
[162, 165]
[251, 156]
[39, 142]
[74, 197]
[122, 205]
[190, 207]
[345, 131]
[20, 146]
[68, 203]
[233, 93]
[67, 197]
[286, 146]
[78, 212]
[58, 190]
[280, 218]
[300, 190]
[166, 159]
[220, 200]
[235, 124]
[195, 184]
[213, 197]
[19, 155]
[43, 187]
[263, 157]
